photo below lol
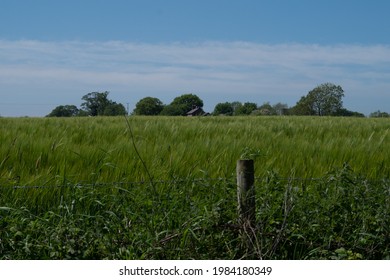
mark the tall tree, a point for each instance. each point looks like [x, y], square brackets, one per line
[182, 104]
[324, 100]
[266, 109]
[115, 109]
[246, 109]
[95, 103]
[236, 105]
[327, 99]
[280, 108]
[172, 110]
[148, 106]
[303, 107]
[223, 109]
[98, 104]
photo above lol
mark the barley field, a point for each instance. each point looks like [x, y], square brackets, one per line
[51, 151]
[164, 187]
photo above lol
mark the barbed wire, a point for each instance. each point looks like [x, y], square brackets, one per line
[231, 180]
[125, 183]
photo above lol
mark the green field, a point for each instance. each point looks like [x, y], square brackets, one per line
[164, 187]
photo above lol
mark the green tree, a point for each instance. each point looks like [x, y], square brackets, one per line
[303, 107]
[280, 108]
[324, 100]
[223, 109]
[115, 109]
[379, 114]
[236, 106]
[148, 106]
[95, 103]
[98, 104]
[182, 104]
[347, 113]
[172, 110]
[265, 110]
[64, 111]
[246, 109]
[83, 113]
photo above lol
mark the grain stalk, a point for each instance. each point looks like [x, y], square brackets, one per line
[132, 138]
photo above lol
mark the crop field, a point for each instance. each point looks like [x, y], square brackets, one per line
[164, 188]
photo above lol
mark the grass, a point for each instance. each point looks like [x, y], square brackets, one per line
[95, 201]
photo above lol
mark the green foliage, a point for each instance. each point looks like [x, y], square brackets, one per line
[324, 100]
[246, 109]
[95, 103]
[98, 104]
[379, 114]
[280, 108]
[173, 110]
[337, 217]
[149, 106]
[250, 153]
[223, 109]
[189, 100]
[347, 113]
[114, 109]
[266, 109]
[182, 104]
[64, 111]
[303, 107]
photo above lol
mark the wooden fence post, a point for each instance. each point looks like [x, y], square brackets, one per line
[246, 193]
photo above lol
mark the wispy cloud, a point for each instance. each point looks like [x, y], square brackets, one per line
[214, 70]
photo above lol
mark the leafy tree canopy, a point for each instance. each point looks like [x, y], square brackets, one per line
[64, 111]
[95, 103]
[246, 109]
[379, 114]
[324, 100]
[149, 106]
[115, 109]
[173, 110]
[182, 104]
[280, 108]
[98, 104]
[223, 109]
[265, 110]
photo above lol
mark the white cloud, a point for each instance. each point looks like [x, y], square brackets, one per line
[214, 70]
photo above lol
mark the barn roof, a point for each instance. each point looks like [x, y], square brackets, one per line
[195, 110]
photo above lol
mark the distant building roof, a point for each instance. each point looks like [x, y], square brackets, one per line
[195, 112]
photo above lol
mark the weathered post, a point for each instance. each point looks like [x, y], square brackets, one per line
[247, 204]
[246, 193]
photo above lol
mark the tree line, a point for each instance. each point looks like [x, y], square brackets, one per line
[324, 100]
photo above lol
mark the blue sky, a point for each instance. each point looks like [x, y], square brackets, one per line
[54, 52]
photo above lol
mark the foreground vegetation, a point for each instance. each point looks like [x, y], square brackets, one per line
[164, 188]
